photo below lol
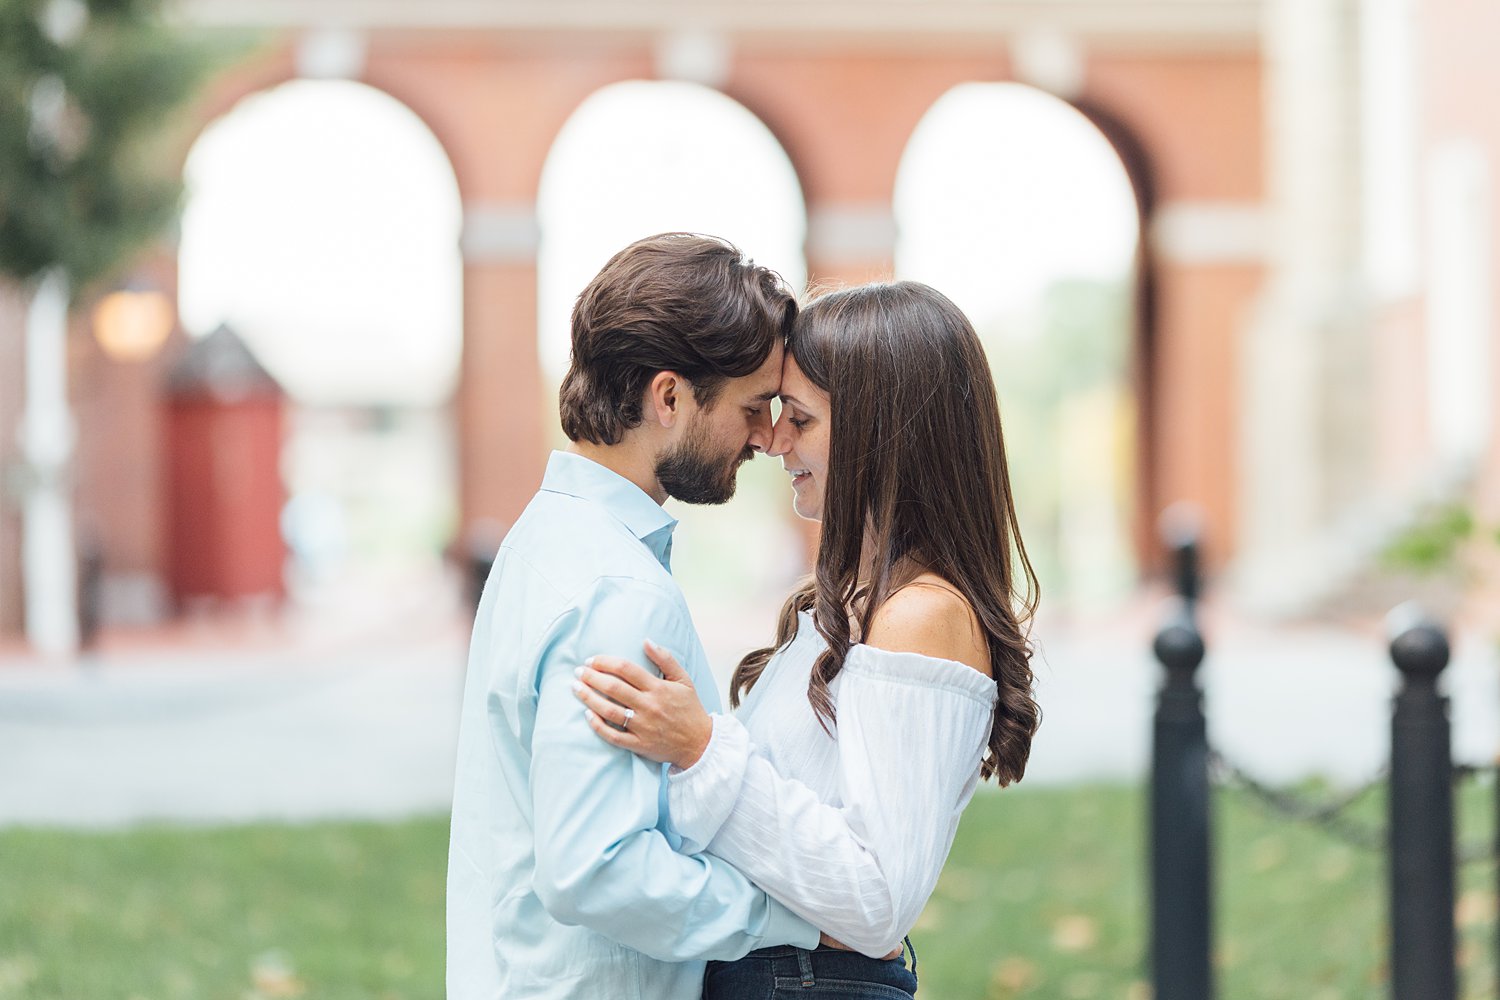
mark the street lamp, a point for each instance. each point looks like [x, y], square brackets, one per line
[131, 324]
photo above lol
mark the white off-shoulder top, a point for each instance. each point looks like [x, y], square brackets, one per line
[850, 831]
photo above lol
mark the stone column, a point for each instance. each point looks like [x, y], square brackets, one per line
[1304, 365]
[850, 243]
[48, 554]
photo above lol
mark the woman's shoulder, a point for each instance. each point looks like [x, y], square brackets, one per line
[930, 617]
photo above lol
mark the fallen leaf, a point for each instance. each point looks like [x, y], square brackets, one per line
[1010, 976]
[1474, 907]
[1074, 932]
[272, 976]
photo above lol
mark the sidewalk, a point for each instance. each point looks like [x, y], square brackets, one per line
[1285, 703]
[332, 711]
[359, 720]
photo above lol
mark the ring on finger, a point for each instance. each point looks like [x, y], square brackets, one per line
[629, 714]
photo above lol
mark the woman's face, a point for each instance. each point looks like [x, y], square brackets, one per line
[800, 439]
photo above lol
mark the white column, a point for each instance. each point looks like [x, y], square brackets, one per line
[1460, 315]
[48, 558]
[1390, 140]
[851, 235]
[1301, 360]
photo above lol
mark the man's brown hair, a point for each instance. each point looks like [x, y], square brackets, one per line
[677, 302]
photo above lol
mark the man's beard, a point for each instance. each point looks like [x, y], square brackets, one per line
[693, 474]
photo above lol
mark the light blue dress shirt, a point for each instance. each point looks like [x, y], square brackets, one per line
[565, 879]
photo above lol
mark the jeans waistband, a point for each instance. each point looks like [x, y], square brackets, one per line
[791, 951]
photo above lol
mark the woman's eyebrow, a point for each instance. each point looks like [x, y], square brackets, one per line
[788, 398]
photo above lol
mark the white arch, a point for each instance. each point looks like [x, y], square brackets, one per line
[1004, 189]
[638, 158]
[644, 157]
[322, 223]
[1011, 202]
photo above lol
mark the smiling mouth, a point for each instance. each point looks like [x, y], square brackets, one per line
[799, 476]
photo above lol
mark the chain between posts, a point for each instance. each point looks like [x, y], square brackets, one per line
[1328, 813]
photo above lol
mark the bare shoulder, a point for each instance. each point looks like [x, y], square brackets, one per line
[928, 616]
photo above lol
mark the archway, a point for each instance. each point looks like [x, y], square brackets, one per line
[638, 158]
[1013, 203]
[322, 226]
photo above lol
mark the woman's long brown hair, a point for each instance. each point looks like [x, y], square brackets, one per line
[917, 482]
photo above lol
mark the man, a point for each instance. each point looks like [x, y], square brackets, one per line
[564, 875]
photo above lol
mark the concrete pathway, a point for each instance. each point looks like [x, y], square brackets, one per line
[363, 725]
[1284, 703]
[231, 736]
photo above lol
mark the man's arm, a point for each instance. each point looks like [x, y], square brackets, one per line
[600, 860]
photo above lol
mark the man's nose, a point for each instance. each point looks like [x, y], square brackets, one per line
[763, 433]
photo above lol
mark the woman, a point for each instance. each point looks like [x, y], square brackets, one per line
[901, 671]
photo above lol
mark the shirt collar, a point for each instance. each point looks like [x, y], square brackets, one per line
[575, 476]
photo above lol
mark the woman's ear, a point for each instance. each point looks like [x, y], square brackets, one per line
[664, 397]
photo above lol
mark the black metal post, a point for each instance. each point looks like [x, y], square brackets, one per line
[1187, 573]
[1181, 869]
[477, 552]
[90, 592]
[1421, 818]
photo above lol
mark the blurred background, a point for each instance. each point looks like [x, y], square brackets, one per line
[284, 297]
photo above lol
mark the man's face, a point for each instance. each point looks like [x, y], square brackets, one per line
[703, 466]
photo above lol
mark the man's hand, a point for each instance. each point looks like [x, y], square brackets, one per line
[824, 939]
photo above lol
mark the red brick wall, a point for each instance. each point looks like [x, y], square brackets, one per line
[12, 386]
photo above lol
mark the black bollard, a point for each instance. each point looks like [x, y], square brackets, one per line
[1186, 573]
[1181, 525]
[481, 540]
[1181, 892]
[90, 593]
[1421, 818]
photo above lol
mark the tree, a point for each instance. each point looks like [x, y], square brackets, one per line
[86, 90]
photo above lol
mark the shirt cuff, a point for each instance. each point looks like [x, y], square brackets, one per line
[785, 927]
[700, 798]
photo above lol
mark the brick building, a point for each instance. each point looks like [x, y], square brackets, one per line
[1313, 351]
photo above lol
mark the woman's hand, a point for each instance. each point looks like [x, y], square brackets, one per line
[824, 939]
[665, 722]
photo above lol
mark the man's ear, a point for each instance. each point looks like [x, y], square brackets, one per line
[665, 396]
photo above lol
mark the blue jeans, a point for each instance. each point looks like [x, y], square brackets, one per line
[785, 973]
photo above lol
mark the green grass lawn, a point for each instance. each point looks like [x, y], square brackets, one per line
[1042, 897]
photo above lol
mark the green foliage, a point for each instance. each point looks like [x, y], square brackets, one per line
[81, 120]
[1081, 343]
[1087, 334]
[1435, 544]
[1074, 347]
